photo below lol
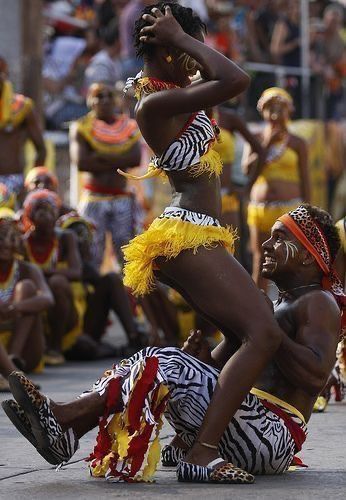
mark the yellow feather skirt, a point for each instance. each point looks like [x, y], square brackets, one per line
[167, 237]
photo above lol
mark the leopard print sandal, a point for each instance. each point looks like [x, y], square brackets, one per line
[55, 445]
[22, 424]
[225, 474]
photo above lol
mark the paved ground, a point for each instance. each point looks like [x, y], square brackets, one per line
[24, 474]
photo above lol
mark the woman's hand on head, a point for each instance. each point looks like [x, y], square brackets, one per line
[164, 29]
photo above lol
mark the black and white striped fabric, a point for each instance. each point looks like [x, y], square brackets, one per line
[256, 439]
[187, 216]
[119, 215]
[186, 150]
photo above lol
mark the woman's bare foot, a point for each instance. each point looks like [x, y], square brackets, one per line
[198, 347]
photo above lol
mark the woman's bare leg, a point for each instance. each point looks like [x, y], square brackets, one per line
[24, 323]
[35, 344]
[257, 237]
[62, 315]
[222, 288]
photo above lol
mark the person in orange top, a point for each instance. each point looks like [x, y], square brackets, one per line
[101, 142]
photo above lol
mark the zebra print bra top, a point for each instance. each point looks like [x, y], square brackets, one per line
[193, 142]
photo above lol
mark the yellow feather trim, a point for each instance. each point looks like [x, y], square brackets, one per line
[167, 238]
[153, 456]
[151, 172]
[210, 164]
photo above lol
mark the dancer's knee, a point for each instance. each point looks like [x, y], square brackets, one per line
[265, 338]
[25, 288]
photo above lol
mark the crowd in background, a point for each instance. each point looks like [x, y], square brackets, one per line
[91, 40]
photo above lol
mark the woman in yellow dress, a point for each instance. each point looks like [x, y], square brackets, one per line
[283, 181]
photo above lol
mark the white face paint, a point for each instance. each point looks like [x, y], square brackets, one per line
[291, 250]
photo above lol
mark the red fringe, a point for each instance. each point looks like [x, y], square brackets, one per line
[141, 390]
[103, 440]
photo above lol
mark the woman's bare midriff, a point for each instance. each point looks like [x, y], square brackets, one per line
[198, 194]
[106, 180]
[275, 191]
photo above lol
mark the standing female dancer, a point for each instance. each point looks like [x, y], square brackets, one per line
[186, 246]
[283, 181]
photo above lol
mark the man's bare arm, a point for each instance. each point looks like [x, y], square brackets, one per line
[223, 351]
[35, 135]
[307, 360]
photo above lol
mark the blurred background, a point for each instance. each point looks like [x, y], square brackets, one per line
[56, 49]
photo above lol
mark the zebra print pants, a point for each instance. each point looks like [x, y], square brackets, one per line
[256, 439]
[120, 215]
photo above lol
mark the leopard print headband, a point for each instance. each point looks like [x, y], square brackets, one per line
[308, 232]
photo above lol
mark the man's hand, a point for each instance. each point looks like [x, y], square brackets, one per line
[198, 347]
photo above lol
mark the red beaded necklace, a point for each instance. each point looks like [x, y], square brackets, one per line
[148, 85]
[46, 258]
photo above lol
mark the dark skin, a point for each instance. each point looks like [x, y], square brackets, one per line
[12, 142]
[102, 168]
[309, 317]
[31, 296]
[276, 114]
[62, 315]
[230, 307]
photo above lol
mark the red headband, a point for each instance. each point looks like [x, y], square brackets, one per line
[40, 194]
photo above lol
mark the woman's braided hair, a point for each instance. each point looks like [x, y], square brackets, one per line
[188, 20]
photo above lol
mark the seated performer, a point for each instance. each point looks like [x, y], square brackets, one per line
[270, 425]
[55, 251]
[104, 293]
[101, 142]
[18, 123]
[24, 294]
